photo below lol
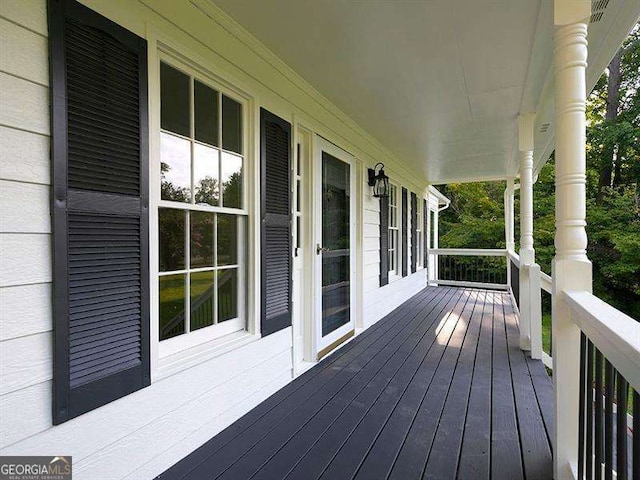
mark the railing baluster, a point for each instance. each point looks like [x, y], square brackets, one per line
[581, 407]
[608, 420]
[622, 392]
[551, 339]
[598, 417]
[636, 436]
[589, 413]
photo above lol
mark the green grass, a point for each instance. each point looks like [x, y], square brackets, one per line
[546, 333]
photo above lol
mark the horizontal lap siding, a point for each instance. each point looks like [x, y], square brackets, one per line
[25, 225]
[162, 416]
[379, 301]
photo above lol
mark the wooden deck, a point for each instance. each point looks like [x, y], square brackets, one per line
[438, 389]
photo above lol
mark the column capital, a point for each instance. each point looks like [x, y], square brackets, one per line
[526, 122]
[566, 12]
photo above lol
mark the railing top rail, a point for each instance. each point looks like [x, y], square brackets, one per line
[514, 256]
[546, 282]
[615, 334]
[470, 252]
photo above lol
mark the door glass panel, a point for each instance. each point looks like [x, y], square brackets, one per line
[336, 285]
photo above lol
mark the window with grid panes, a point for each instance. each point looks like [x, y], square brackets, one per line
[201, 214]
[393, 229]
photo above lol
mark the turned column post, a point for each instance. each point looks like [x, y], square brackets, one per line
[571, 269]
[530, 309]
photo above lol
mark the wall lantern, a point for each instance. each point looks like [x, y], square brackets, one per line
[379, 181]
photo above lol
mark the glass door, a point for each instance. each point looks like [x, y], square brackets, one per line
[335, 241]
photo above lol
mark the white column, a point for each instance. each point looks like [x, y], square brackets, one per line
[529, 302]
[571, 268]
[525, 144]
[509, 215]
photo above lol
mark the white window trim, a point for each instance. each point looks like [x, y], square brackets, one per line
[396, 274]
[184, 351]
[420, 234]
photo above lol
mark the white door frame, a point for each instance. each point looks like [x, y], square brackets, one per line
[322, 145]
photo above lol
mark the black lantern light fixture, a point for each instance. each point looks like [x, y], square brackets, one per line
[379, 181]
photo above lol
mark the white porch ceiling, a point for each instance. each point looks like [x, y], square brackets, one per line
[438, 82]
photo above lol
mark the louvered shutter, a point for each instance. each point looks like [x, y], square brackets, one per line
[425, 234]
[275, 194]
[100, 210]
[405, 234]
[414, 232]
[384, 241]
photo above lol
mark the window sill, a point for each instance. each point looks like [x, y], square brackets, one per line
[172, 364]
[394, 277]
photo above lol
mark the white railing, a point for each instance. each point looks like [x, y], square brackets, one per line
[609, 366]
[469, 267]
[615, 334]
[546, 282]
[525, 285]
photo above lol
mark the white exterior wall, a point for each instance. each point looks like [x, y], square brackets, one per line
[379, 301]
[25, 226]
[144, 433]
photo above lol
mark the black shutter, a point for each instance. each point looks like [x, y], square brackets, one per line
[275, 166]
[100, 210]
[425, 234]
[384, 241]
[405, 236]
[414, 233]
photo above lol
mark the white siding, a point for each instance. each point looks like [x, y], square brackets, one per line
[144, 424]
[379, 301]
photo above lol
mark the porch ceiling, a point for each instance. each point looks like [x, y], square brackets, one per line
[439, 83]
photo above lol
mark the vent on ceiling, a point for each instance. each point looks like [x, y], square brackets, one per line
[597, 10]
[544, 127]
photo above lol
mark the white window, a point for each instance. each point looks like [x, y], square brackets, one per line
[394, 243]
[419, 234]
[202, 219]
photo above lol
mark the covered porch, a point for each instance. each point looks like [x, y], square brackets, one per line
[438, 388]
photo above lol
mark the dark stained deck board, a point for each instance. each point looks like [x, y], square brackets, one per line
[312, 398]
[416, 447]
[382, 456]
[436, 389]
[277, 407]
[506, 456]
[349, 458]
[543, 386]
[450, 430]
[476, 447]
[536, 452]
[362, 389]
[307, 457]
